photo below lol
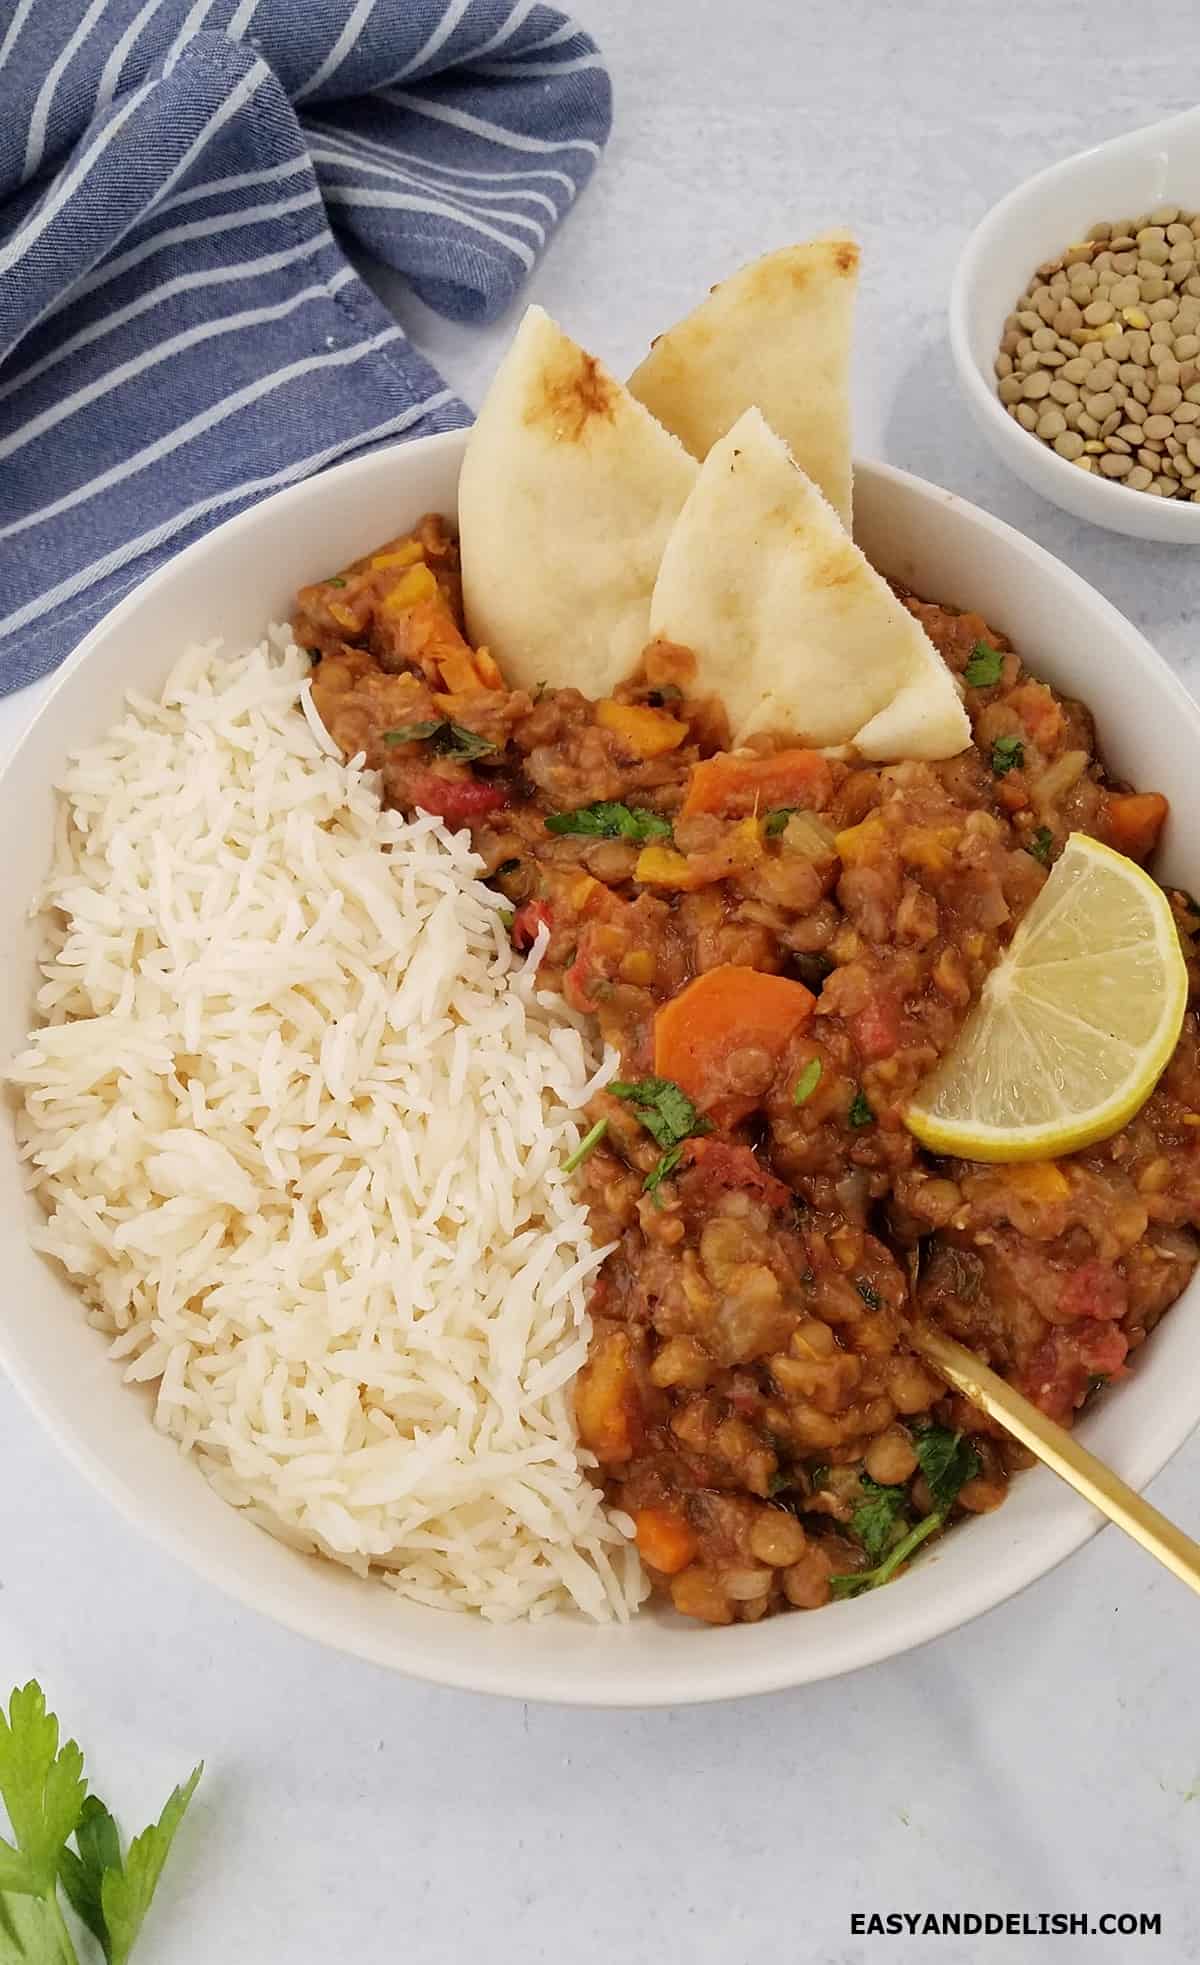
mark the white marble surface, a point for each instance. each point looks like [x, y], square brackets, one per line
[1045, 1758]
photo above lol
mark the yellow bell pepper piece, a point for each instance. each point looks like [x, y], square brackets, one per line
[647, 733]
[416, 585]
[405, 555]
[859, 842]
[663, 866]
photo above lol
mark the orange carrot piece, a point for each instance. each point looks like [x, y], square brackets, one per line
[1135, 820]
[664, 1539]
[728, 1009]
[732, 785]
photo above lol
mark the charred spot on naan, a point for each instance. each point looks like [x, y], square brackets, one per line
[574, 395]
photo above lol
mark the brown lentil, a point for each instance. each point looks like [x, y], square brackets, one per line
[1101, 355]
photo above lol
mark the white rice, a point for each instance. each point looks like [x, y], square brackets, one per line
[297, 1118]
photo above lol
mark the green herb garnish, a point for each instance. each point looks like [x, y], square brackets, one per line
[873, 1579]
[664, 1109]
[606, 820]
[453, 739]
[1039, 846]
[1008, 754]
[587, 1145]
[948, 1462]
[45, 1793]
[776, 822]
[807, 1082]
[336, 582]
[877, 1515]
[658, 1173]
[869, 1295]
[985, 667]
[860, 1113]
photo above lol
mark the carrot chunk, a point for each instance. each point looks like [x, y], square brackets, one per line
[664, 1539]
[728, 1009]
[731, 785]
[1135, 820]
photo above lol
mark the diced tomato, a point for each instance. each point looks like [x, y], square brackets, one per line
[1095, 1289]
[1057, 1376]
[579, 978]
[723, 1163]
[456, 800]
[527, 920]
[876, 1028]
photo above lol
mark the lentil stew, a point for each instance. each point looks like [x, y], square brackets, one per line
[779, 946]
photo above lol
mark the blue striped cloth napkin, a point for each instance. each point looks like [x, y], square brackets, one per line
[180, 332]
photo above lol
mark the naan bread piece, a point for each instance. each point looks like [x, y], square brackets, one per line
[775, 336]
[568, 492]
[790, 624]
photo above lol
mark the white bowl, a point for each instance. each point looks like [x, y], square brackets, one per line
[1155, 166]
[231, 584]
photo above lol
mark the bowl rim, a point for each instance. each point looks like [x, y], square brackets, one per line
[1111, 497]
[719, 1669]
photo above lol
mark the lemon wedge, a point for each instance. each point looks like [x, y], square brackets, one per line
[1074, 1024]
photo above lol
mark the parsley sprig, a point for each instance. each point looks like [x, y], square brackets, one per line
[669, 1117]
[985, 667]
[1008, 754]
[609, 820]
[44, 1789]
[948, 1462]
[453, 739]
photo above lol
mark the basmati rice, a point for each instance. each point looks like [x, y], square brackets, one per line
[297, 1116]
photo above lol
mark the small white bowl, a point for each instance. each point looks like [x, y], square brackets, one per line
[1155, 166]
[231, 584]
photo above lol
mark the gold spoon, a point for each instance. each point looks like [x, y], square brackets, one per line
[1059, 1450]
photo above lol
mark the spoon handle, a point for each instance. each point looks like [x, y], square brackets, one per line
[1061, 1451]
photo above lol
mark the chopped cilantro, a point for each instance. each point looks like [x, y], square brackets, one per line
[807, 1082]
[587, 1145]
[453, 738]
[873, 1579]
[338, 582]
[664, 1109]
[860, 1112]
[1008, 754]
[658, 1173]
[877, 1515]
[985, 667]
[1040, 845]
[606, 820]
[869, 1295]
[776, 821]
[948, 1462]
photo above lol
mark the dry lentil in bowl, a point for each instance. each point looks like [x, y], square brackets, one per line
[1100, 358]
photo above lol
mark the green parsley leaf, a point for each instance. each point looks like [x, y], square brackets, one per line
[869, 1295]
[860, 1112]
[658, 1173]
[1040, 845]
[948, 1462]
[1008, 754]
[587, 1144]
[82, 1875]
[854, 1584]
[453, 739]
[126, 1891]
[412, 733]
[776, 822]
[606, 820]
[985, 667]
[875, 1519]
[42, 1786]
[337, 581]
[664, 1109]
[807, 1082]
